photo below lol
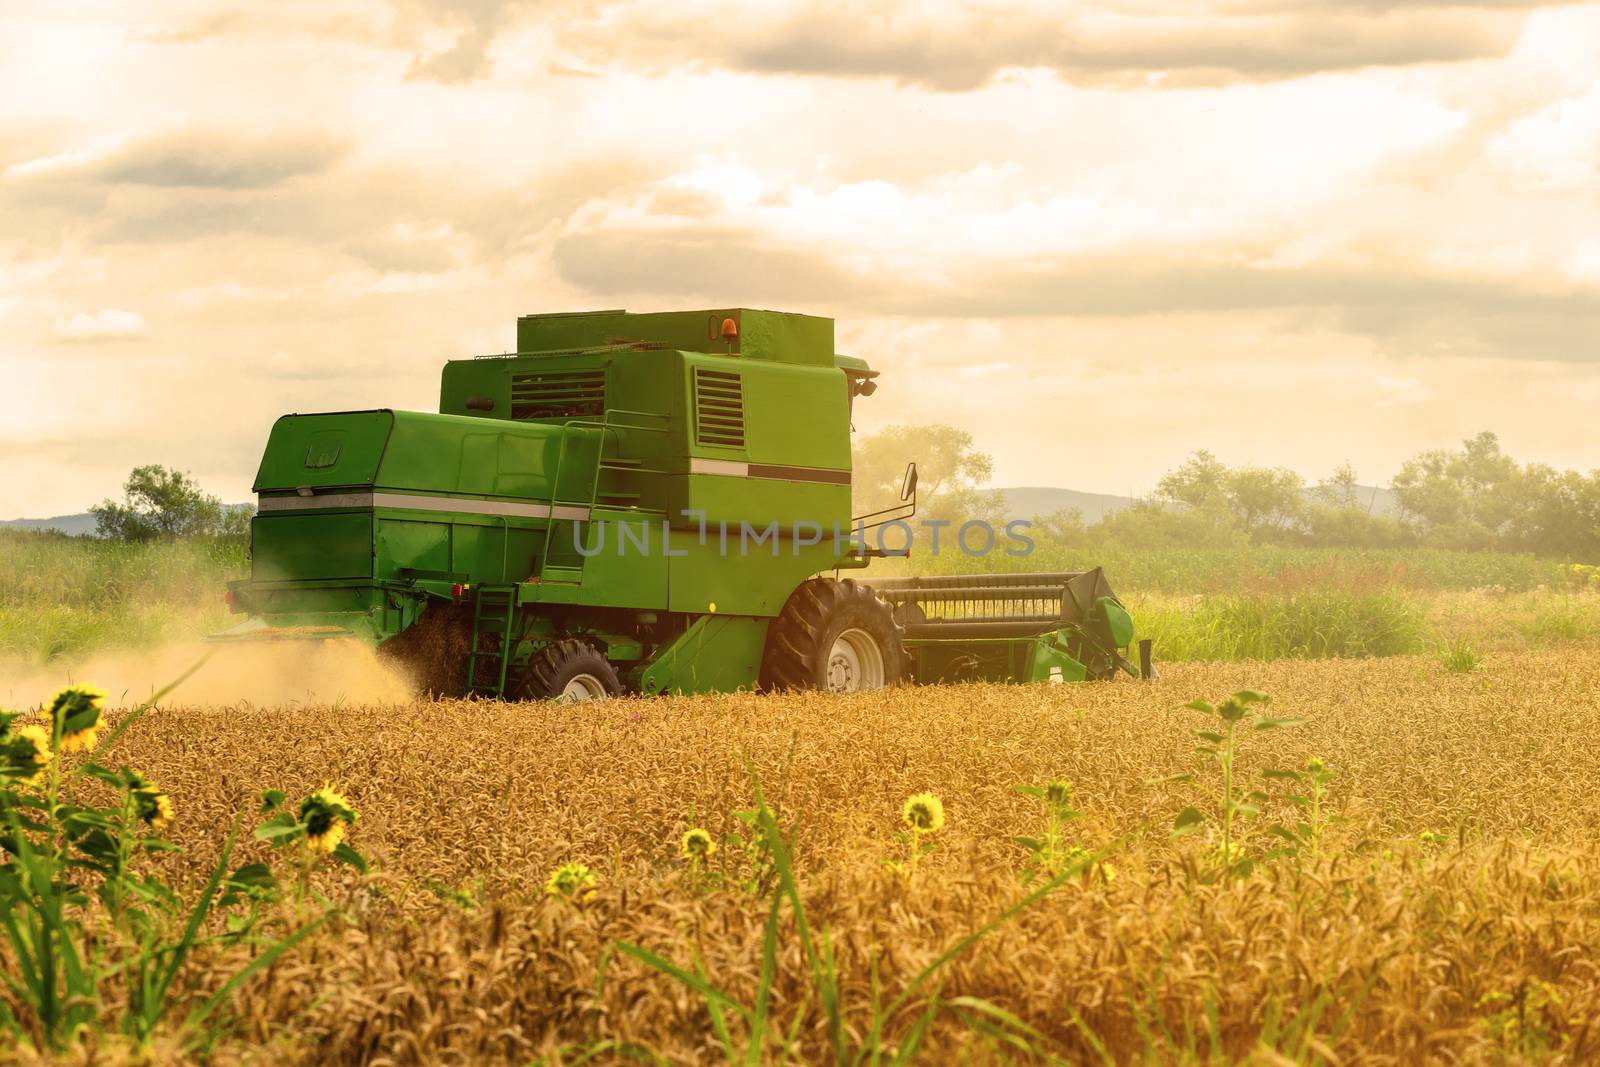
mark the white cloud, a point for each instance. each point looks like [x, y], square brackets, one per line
[1251, 257]
[108, 324]
[1556, 148]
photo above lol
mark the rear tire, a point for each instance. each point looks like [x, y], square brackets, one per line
[570, 672]
[836, 636]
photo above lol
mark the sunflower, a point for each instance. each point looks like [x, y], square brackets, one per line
[325, 815]
[924, 813]
[161, 817]
[571, 881]
[150, 801]
[698, 845]
[1058, 794]
[75, 711]
[27, 752]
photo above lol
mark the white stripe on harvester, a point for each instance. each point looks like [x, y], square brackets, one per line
[719, 466]
[418, 502]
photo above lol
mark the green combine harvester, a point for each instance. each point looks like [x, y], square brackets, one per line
[646, 503]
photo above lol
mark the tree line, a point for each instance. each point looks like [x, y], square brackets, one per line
[1474, 497]
[159, 503]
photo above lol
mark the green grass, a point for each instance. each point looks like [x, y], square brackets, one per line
[66, 598]
[1306, 624]
[1459, 657]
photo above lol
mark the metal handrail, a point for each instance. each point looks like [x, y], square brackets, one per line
[605, 425]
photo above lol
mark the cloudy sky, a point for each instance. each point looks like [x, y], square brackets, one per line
[1097, 235]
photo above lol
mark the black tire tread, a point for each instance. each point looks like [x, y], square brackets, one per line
[546, 669]
[796, 635]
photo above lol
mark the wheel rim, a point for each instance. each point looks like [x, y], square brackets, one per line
[854, 663]
[583, 687]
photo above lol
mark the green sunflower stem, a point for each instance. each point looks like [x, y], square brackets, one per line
[306, 860]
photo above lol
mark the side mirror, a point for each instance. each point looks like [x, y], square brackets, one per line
[908, 488]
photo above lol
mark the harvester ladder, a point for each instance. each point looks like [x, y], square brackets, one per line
[610, 430]
[493, 611]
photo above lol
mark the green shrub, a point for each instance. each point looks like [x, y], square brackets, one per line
[1311, 624]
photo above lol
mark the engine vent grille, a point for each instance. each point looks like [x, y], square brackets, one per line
[565, 394]
[718, 408]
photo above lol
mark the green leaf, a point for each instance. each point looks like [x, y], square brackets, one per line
[272, 799]
[1251, 696]
[1264, 723]
[1030, 791]
[94, 770]
[347, 855]
[274, 830]
[1209, 735]
[1200, 705]
[253, 876]
[266, 959]
[696, 982]
[1188, 821]
[1032, 844]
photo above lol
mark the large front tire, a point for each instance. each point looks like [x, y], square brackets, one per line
[836, 636]
[570, 672]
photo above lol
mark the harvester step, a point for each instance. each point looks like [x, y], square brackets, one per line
[552, 573]
[493, 613]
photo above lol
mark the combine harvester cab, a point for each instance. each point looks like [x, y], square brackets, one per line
[632, 503]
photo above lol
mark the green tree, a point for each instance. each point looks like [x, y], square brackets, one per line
[235, 522]
[1557, 514]
[950, 473]
[1200, 483]
[1061, 527]
[1464, 499]
[1150, 524]
[1260, 501]
[1265, 501]
[1339, 489]
[158, 502]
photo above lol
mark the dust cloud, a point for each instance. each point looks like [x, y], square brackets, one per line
[264, 673]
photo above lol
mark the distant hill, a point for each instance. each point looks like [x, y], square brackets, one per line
[1026, 502]
[80, 525]
[76, 525]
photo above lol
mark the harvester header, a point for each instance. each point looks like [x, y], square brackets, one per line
[561, 527]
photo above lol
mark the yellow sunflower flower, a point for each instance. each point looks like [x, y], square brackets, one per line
[924, 813]
[573, 882]
[161, 818]
[150, 801]
[77, 709]
[325, 814]
[698, 845]
[28, 752]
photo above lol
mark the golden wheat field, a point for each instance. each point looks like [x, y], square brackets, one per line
[1450, 913]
